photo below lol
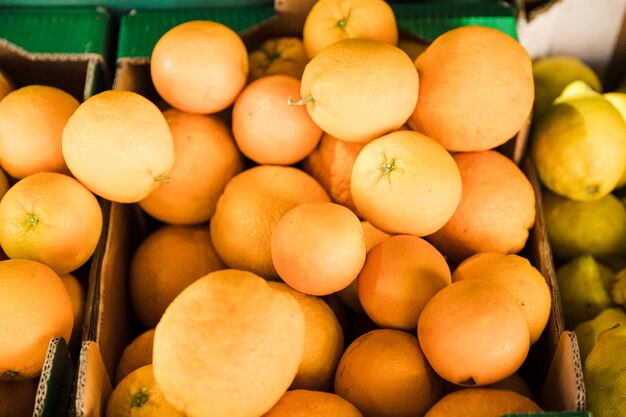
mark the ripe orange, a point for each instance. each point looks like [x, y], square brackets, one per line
[136, 354]
[323, 341]
[17, 398]
[350, 295]
[406, 183]
[359, 89]
[318, 248]
[482, 402]
[329, 21]
[473, 332]
[331, 164]
[384, 373]
[400, 275]
[32, 119]
[206, 157]
[164, 264]
[6, 85]
[118, 144]
[35, 307]
[77, 295]
[278, 55]
[513, 383]
[139, 395]
[199, 66]
[496, 210]
[305, 403]
[51, 218]
[476, 89]
[520, 277]
[228, 345]
[250, 207]
[267, 129]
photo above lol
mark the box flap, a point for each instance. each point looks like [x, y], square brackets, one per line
[56, 381]
[93, 386]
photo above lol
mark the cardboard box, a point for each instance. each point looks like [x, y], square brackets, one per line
[67, 50]
[552, 368]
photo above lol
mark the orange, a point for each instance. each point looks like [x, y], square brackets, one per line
[384, 373]
[496, 211]
[329, 21]
[513, 383]
[474, 332]
[32, 119]
[6, 85]
[250, 207]
[406, 183]
[118, 144]
[165, 263]
[331, 164]
[35, 307]
[476, 89]
[139, 395]
[77, 295]
[350, 295]
[359, 89]
[199, 66]
[136, 354]
[278, 55]
[206, 157]
[267, 129]
[50, 218]
[228, 345]
[400, 275]
[305, 403]
[516, 274]
[318, 248]
[17, 398]
[323, 341]
[482, 402]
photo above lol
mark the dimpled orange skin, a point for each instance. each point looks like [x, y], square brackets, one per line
[199, 66]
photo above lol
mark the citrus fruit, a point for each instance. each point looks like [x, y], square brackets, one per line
[51, 218]
[267, 129]
[574, 228]
[118, 144]
[318, 248]
[553, 73]
[250, 207]
[329, 21]
[305, 403]
[77, 295]
[482, 402]
[17, 398]
[139, 395]
[400, 275]
[584, 288]
[35, 307]
[496, 211]
[6, 85]
[476, 89]
[165, 263]
[405, 183]
[578, 144]
[206, 157]
[473, 332]
[278, 55]
[323, 341]
[4, 183]
[331, 164]
[520, 277]
[136, 354]
[384, 373]
[358, 89]
[228, 345]
[199, 66]
[32, 119]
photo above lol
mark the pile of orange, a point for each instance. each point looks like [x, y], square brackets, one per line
[334, 220]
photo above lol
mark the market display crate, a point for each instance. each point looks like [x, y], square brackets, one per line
[552, 369]
[64, 48]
